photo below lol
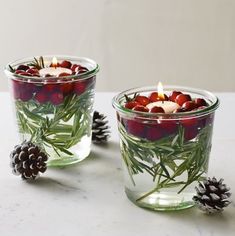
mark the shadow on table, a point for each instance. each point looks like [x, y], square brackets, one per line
[103, 163]
[108, 155]
[52, 184]
[203, 222]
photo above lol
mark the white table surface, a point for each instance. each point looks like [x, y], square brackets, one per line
[89, 199]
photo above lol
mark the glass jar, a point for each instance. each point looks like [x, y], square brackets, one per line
[164, 155]
[55, 112]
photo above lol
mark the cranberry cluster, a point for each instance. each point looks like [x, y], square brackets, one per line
[26, 70]
[157, 129]
[49, 92]
[186, 103]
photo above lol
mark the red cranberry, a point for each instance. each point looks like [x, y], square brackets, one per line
[153, 132]
[200, 102]
[190, 133]
[24, 74]
[140, 108]
[22, 67]
[64, 74]
[49, 88]
[66, 64]
[31, 87]
[79, 87]
[16, 88]
[23, 90]
[173, 95]
[131, 104]
[142, 100]
[41, 96]
[19, 71]
[135, 127]
[189, 106]
[75, 67]
[182, 98]
[154, 97]
[26, 96]
[157, 110]
[33, 71]
[168, 126]
[67, 88]
[56, 98]
[189, 122]
[191, 126]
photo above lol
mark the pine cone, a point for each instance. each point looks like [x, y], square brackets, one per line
[212, 196]
[100, 129]
[28, 160]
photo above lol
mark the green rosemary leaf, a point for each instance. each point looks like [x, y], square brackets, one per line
[41, 62]
[164, 169]
[174, 141]
[129, 169]
[36, 61]
[65, 151]
[171, 164]
[176, 157]
[31, 64]
[129, 99]
[175, 184]
[45, 122]
[165, 148]
[36, 118]
[43, 109]
[60, 128]
[11, 69]
[56, 151]
[181, 136]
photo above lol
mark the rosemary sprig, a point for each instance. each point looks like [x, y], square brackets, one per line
[167, 159]
[11, 69]
[38, 63]
[57, 127]
[129, 99]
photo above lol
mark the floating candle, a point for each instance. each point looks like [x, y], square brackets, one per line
[54, 70]
[167, 106]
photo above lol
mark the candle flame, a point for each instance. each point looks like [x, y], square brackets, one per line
[54, 62]
[160, 91]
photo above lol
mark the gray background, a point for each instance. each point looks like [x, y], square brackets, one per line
[136, 42]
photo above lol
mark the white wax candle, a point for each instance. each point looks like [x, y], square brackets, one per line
[54, 71]
[167, 106]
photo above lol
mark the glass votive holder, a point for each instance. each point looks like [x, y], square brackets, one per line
[54, 110]
[164, 155]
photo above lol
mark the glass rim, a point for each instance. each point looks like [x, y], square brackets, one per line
[52, 79]
[147, 115]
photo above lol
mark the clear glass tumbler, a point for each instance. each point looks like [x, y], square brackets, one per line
[164, 155]
[55, 112]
